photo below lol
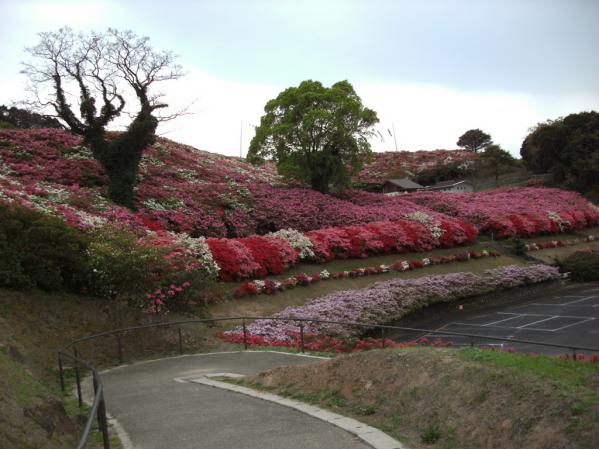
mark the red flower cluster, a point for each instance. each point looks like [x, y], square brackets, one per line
[255, 256]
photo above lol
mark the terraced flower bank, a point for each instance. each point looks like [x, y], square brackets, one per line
[383, 302]
[271, 287]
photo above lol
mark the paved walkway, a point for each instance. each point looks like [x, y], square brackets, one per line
[159, 413]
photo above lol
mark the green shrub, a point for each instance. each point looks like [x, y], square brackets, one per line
[583, 265]
[123, 268]
[40, 251]
[43, 252]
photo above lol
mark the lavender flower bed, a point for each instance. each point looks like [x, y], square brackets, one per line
[386, 301]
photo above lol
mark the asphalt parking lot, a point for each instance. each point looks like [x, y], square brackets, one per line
[563, 315]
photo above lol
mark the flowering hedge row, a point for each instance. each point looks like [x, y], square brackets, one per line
[536, 246]
[524, 212]
[258, 256]
[270, 286]
[386, 301]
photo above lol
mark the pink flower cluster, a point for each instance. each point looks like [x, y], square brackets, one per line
[517, 211]
[270, 286]
[164, 299]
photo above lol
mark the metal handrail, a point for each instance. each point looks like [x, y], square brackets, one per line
[98, 405]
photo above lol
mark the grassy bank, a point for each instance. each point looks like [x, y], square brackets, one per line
[448, 398]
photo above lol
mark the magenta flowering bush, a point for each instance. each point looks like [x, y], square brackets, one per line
[387, 301]
[517, 211]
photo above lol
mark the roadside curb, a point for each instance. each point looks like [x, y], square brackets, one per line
[369, 435]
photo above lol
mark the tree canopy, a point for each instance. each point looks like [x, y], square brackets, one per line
[315, 134]
[497, 161]
[100, 71]
[474, 140]
[568, 148]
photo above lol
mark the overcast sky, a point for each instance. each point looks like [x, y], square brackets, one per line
[432, 69]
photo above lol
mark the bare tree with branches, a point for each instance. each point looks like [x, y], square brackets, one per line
[103, 69]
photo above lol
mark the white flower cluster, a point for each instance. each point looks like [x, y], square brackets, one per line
[564, 225]
[55, 194]
[297, 240]
[428, 221]
[78, 153]
[324, 274]
[90, 220]
[199, 249]
[593, 206]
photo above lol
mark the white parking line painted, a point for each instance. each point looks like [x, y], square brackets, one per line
[561, 305]
[540, 314]
[535, 322]
[517, 315]
[586, 298]
[573, 324]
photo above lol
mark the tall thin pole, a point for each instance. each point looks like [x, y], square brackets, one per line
[394, 138]
[240, 139]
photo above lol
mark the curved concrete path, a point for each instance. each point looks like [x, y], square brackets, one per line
[158, 412]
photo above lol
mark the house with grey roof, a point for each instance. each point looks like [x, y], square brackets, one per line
[403, 185]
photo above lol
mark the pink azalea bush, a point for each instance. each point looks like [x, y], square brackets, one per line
[517, 211]
[383, 302]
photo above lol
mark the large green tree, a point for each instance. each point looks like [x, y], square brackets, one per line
[568, 149]
[474, 140]
[315, 134]
[98, 72]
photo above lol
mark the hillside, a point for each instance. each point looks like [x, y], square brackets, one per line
[425, 167]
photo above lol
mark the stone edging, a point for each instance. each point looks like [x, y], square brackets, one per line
[369, 435]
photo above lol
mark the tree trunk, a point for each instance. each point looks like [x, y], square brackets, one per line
[120, 158]
[320, 183]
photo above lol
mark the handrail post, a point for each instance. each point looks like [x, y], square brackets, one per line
[245, 335]
[383, 337]
[61, 371]
[180, 341]
[77, 377]
[120, 347]
[301, 326]
[574, 354]
[103, 422]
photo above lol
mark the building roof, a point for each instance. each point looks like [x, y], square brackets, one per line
[447, 184]
[405, 183]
